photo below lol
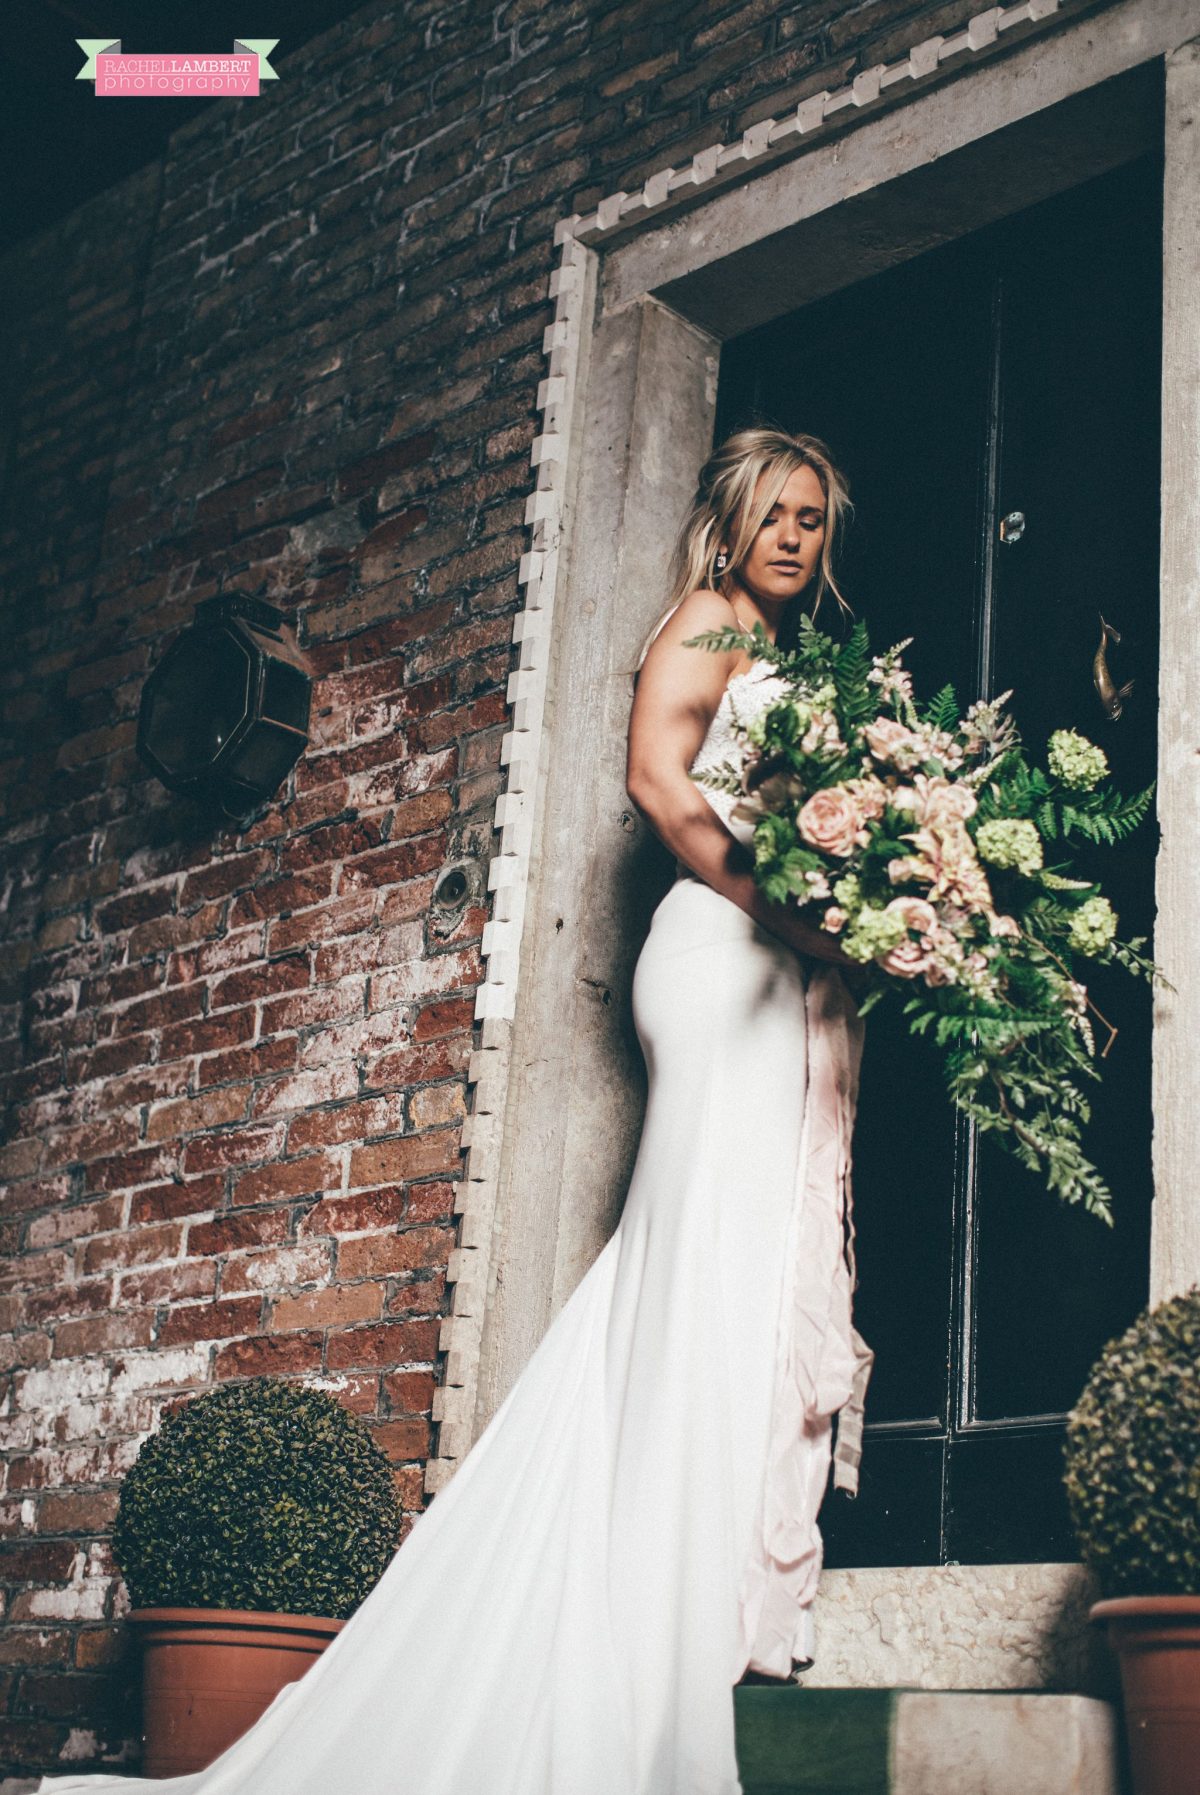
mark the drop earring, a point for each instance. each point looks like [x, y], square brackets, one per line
[722, 557]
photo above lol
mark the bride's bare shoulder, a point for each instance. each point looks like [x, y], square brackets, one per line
[676, 674]
[702, 609]
[705, 609]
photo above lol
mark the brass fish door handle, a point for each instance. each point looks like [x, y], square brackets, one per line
[1111, 695]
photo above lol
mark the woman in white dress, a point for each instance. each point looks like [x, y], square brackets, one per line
[636, 1528]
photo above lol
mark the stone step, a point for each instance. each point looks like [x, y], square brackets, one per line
[797, 1741]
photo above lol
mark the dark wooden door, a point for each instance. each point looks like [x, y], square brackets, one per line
[1013, 371]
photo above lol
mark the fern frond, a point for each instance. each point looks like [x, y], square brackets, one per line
[942, 711]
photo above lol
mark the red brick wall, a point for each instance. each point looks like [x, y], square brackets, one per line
[299, 357]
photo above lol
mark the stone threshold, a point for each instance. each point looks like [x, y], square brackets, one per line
[797, 1741]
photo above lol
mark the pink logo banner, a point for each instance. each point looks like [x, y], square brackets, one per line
[203, 75]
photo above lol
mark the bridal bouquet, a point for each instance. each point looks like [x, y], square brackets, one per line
[935, 851]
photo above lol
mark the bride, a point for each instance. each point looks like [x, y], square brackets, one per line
[636, 1529]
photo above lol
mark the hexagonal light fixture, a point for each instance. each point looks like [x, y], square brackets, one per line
[225, 712]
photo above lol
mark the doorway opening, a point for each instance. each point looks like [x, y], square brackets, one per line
[995, 403]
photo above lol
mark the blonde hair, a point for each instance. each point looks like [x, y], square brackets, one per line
[724, 508]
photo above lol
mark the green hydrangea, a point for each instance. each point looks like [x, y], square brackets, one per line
[1074, 760]
[1010, 841]
[1093, 926]
[873, 932]
[847, 891]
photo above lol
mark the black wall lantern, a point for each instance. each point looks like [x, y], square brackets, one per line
[225, 712]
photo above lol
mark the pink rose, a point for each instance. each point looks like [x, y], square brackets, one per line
[870, 795]
[909, 958]
[891, 741]
[942, 800]
[906, 867]
[830, 822]
[947, 862]
[834, 919]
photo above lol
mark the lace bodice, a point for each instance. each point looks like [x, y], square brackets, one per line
[744, 697]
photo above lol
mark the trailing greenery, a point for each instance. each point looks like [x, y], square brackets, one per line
[1132, 1456]
[921, 837]
[263, 1495]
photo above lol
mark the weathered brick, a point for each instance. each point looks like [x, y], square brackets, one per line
[406, 1439]
[433, 1104]
[35, 1645]
[288, 973]
[369, 949]
[95, 1334]
[224, 877]
[264, 1057]
[311, 1009]
[70, 1222]
[168, 1283]
[443, 1018]
[352, 1214]
[405, 1250]
[231, 1320]
[306, 1090]
[391, 1343]
[209, 1035]
[270, 1355]
[36, 1560]
[179, 1004]
[370, 471]
[409, 1392]
[424, 1061]
[310, 927]
[316, 1172]
[391, 866]
[172, 1121]
[273, 898]
[117, 1251]
[77, 1511]
[99, 1648]
[430, 1200]
[234, 1147]
[277, 1268]
[248, 1228]
[327, 1308]
[409, 1156]
[424, 1293]
[52, 1301]
[160, 1202]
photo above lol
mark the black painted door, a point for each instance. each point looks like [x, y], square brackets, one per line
[1015, 371]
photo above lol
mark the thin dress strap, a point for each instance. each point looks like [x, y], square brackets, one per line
[665, 618]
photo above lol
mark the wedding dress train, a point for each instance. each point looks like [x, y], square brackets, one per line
[638, 1523]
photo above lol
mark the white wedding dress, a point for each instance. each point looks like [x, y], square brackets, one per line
[638, 1523]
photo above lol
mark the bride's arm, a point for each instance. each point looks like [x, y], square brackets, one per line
[678, 691]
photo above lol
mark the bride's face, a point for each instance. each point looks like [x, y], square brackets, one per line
[786, 552]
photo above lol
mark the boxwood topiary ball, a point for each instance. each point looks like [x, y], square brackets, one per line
[1132, 1455]
[260, 1495]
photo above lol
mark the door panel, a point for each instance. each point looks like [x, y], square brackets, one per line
[1014, 370]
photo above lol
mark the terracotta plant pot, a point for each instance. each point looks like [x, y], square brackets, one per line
[209, 1673]
[1157, 1640]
